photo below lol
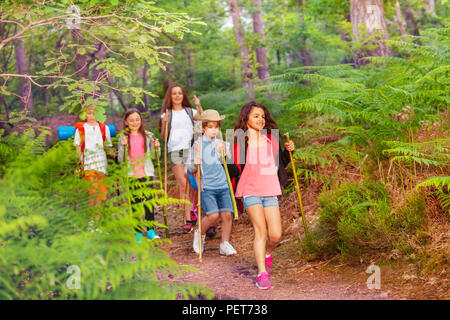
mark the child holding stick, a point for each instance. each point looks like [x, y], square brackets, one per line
[260, 173]
[139, 143]
[215, 193]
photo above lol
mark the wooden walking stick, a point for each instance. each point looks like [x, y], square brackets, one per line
[297, 187]
[199, 203]
[161, 186]
[230, 186]
[166, 127]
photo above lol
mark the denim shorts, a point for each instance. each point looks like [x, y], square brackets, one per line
[249, 201]
[218, 200]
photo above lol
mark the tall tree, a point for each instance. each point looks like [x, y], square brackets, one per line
[305, 55]
[245, 52]
[26, 96]
[261, 50]
[400, 20]
[371, 14]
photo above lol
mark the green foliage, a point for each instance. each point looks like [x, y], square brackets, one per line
[358, 221]
[44, 230]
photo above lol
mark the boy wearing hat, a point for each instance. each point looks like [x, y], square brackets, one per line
[215, 194]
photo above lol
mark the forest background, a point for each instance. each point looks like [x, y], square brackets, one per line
[360, 85]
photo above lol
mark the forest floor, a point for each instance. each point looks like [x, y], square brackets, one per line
[233, 277]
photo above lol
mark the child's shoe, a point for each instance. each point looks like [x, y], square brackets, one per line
[188, 226]
[269, 264]
[138, 237]
[226, 248]
[151, 234]
[195, 242]
[211, 232]
[263, 281]
[194, 217]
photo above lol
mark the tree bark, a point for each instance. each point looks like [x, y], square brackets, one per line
[81, 60]
[144, 85]
[261, 50]
[305, 56]
[25, 93]
[245, 52]
[400, 21]
[371, 13]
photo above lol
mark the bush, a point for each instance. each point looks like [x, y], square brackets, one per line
[44, 230]
[356, 221]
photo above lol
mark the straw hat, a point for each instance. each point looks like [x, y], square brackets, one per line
[211, 115]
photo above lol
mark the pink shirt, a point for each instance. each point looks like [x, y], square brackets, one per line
[259, 177]
[137, 153]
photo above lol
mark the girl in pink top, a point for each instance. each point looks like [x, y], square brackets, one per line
[138, 144]
[261, 176]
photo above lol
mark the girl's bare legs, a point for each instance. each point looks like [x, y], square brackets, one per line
[273, 219]
[257, 217]
[178, 171]
[263, 219]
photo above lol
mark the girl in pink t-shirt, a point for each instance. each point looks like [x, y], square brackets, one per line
[259, 165]
[139, 143]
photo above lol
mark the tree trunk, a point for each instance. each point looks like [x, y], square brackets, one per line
[144, 85]
[245, 52]
[371, 13]
[304, 53]
[190, 81]
[261, 50]
[400, 21]
[25, 93]
[81, 60]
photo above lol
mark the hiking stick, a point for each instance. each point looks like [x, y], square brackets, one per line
[230, 186]
[166, 127]
[185, 194]
[297, 187]
[199, 203]
[161, 186]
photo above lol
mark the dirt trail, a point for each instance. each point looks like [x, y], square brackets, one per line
[233, 277]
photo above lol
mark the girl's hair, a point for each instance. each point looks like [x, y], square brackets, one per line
[141, 129]
[167, 102]
[243, 118]
[245, 112]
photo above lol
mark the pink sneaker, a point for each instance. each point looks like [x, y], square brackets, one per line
[263, 281]
[269, 264]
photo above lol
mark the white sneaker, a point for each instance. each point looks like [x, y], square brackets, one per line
[226, 248]
[195, 242]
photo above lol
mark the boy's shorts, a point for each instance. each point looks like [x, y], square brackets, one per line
[218, 200]
[178, 157]
[96, 187]
[249, 201]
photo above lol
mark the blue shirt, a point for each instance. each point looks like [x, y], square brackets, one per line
[213, 173]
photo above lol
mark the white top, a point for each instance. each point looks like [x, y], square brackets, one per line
[182, 131]
[94, 153]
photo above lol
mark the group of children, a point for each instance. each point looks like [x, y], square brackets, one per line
[258, 176]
